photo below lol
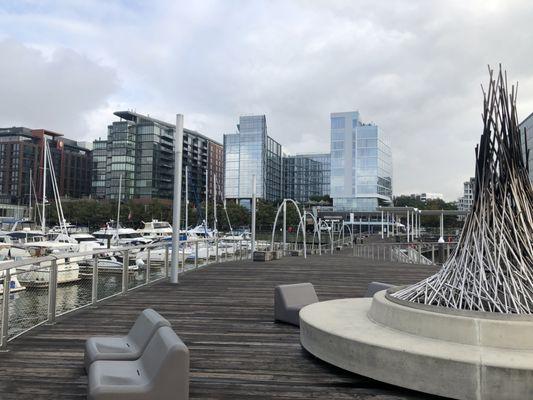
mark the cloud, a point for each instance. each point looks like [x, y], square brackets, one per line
[413, 67]
[56, 92]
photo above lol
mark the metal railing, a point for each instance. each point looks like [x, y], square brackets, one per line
[312, 248]
[37, 290]
[406, 253]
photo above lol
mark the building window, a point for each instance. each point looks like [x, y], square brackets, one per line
[337, 122]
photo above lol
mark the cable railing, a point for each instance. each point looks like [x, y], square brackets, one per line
[406, 253]
[36, 290]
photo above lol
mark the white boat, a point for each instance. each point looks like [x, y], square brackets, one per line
[67, 268]
[9, 253]
[86, 241]
[69, 229]
[155, 230]
[119, 237]
[108, 265]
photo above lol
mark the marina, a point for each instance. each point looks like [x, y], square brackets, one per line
[224, 312]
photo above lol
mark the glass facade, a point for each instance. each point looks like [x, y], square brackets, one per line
[361, 164]
[325, 170]
[250, 152]
[526, 129]
[302, 178]
[140, 149]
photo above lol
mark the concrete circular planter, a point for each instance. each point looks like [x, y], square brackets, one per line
[461, 355]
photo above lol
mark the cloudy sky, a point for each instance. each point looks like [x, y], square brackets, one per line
[412, 67]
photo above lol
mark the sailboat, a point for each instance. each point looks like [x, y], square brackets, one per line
[67, 268]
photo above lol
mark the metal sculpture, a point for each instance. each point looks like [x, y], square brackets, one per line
[492, 267]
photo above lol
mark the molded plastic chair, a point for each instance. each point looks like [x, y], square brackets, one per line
[290, 299]
[162, 372]
[374, 287]
[129, 347]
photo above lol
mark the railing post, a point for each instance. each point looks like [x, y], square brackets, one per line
[4, 333]
[240, 250]
[183, 256]
[196, 254]
[216, 248]
[166, 261]
[206, 251]
[52, 291]
[94, 291]
[148, 262]
[125, 265]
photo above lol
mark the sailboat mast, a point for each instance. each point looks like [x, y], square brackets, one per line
[43, 219]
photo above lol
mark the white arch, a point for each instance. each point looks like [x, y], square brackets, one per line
[276, 221]
[329, 229]
[316, 229]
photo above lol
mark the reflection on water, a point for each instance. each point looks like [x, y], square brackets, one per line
[30, 307]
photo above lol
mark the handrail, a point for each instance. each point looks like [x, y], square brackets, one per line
[92, 285]
[67, 254]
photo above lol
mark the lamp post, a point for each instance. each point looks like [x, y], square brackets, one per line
[176, 205]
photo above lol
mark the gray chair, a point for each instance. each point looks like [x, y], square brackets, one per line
[374, 287]
[290, 299]
[162, 372]
[129, 347]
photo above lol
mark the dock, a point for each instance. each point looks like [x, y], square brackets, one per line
[224, 314]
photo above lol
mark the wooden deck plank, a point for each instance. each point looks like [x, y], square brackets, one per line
[224, 314]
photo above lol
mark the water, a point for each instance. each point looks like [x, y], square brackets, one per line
[29, 307]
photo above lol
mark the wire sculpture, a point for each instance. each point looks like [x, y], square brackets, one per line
[491, 269]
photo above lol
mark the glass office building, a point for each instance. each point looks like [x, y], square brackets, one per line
[361, 164]
[302, 178]
[250, 152]
[324, 160]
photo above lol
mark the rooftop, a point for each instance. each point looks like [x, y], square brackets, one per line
[223, 312]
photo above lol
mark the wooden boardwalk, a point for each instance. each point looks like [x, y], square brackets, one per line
[224, 314]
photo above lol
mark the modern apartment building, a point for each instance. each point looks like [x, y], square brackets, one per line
[324, 160]
[526, 129]
[361, 164]
[21, 155]
[465, 202]
[250, 152]
[302, 178]
[139, 153]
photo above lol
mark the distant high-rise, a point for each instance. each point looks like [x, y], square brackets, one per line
[465, 202]
[250, 152]
[139, 149]
[21, 154]
[361, 164]
[302, 178]
[526, 129]
[324, 160]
